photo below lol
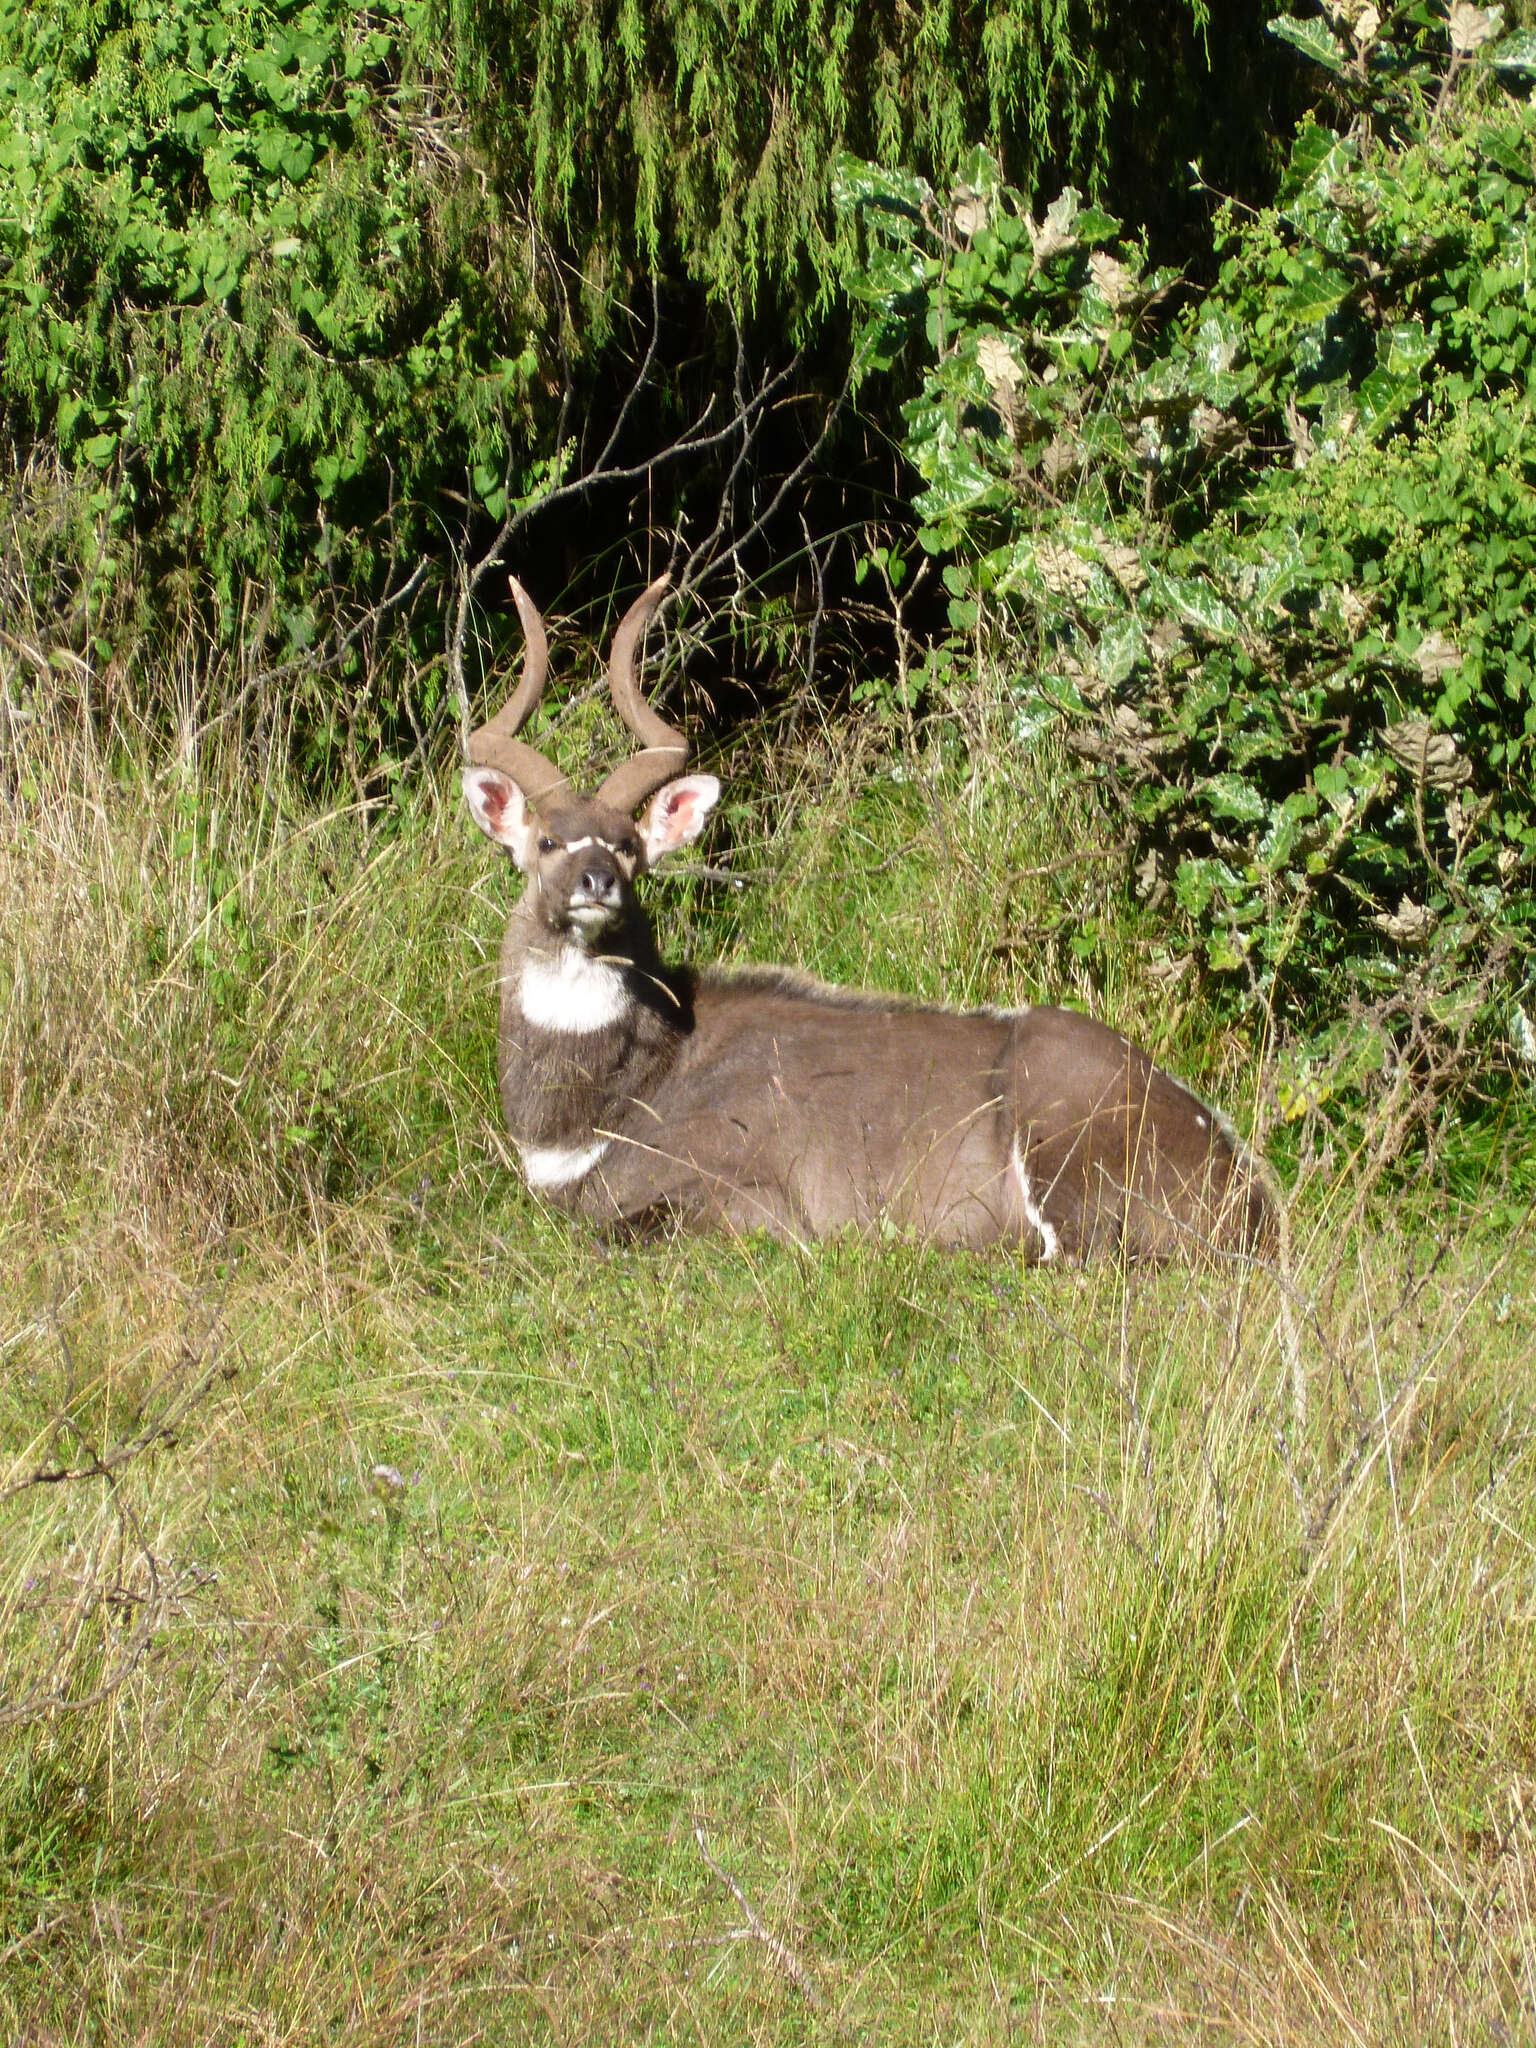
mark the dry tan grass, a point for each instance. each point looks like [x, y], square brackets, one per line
[207, 1015]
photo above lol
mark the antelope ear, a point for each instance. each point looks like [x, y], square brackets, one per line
[676, 814]
[501, 811]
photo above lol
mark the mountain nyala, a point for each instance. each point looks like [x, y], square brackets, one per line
[645, 1095]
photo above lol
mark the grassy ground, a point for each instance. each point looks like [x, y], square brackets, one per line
[420, 1623]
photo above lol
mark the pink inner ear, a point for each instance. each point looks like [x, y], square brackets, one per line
[681, 809]
[676, 814]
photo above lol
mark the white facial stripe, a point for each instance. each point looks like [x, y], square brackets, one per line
[1033, 1215]
[574, 993]
[625, 860]
[556, 1166]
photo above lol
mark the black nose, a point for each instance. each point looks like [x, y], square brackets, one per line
[597, 880]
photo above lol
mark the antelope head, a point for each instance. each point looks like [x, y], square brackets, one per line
[581, 854]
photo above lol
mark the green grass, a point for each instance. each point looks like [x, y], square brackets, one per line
[457, 1630]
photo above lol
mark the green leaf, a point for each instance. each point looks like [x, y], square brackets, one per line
[900, 196]
[1313, 41]
[1122, 644]
[1335, 785]
[221, 273]
[1320, 159]
[1196, 603]
[1092, 225]
[1515, 53]
[297, 158]
[1230, 796]
[1288, 829]
[1315, 292]
[1198, 883]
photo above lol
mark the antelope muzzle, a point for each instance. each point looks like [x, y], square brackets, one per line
[586, 888]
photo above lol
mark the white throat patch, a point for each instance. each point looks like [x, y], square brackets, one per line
[573, 992]
[556, 1166]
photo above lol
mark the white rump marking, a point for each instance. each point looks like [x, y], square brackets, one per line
[556, 1166]
[1033, 1215]
[573, 993]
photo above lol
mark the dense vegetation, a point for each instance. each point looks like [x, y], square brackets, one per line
[415, 1619]
[300, 298]
[1267, 547]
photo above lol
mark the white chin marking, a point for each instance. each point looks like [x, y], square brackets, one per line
[556, 1166]
[573, 992]
[1034, 1216]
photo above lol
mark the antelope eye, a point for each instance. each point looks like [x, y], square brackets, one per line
[546, 845]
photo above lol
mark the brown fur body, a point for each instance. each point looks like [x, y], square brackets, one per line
[761, 1101]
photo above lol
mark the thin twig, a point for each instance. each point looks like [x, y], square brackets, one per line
[738, 878]
[330, 654]
[781, 1952]
[698, 439]
[1377, 1429]
[701, 562]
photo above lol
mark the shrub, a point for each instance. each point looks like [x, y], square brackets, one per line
[247, 308]
[1270, 544]
[299, 294]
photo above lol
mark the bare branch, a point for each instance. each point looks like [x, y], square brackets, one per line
[329, 654]
[53, 1699]
[703, 561]
[780, 1951]
[750, 408]
[103, 1464]
[697, 439]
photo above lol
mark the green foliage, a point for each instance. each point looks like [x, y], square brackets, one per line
[697, 134]
[1271, 543]
[252, 299]
[292, 286]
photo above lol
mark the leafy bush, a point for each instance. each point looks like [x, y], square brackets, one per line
[246, 301]
[1272, 543]
[696, 136]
